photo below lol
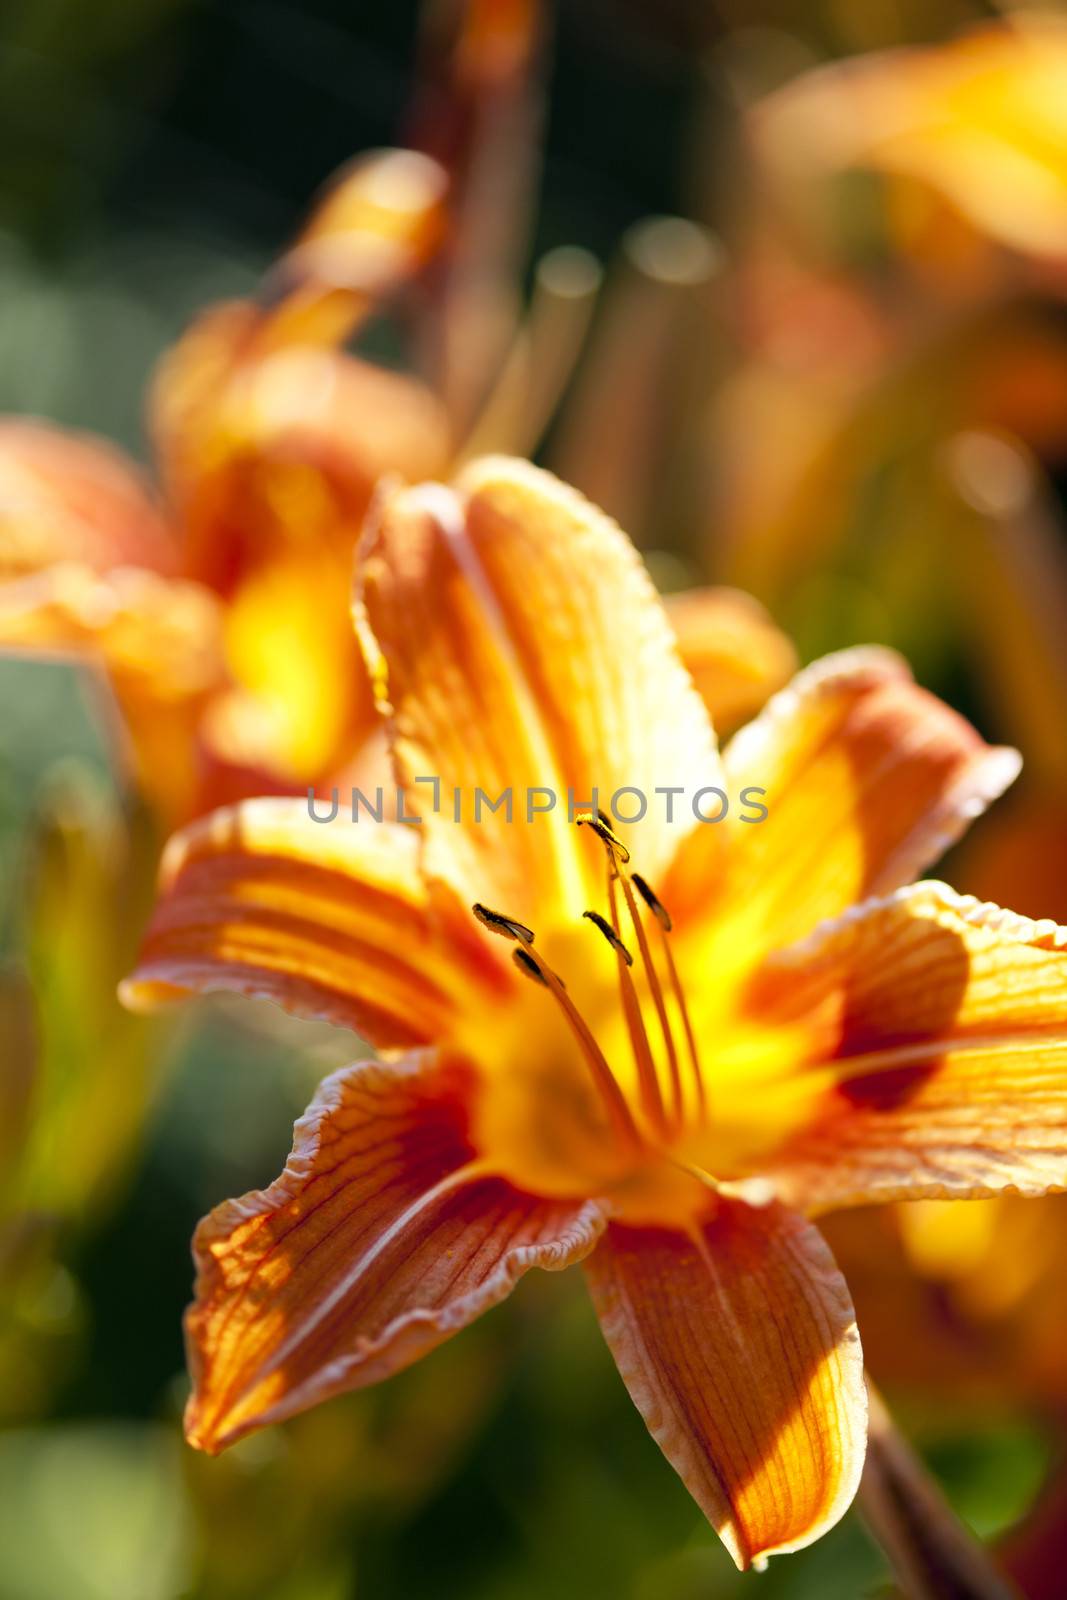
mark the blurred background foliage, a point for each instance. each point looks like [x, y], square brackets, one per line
[828, 383]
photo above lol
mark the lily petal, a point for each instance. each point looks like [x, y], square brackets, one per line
[738, 1345]
[271, 438]
[157, 639]
[331, 921]
[517, 642]
[290, 438]
[977, 119]
[733, 651]
[66, 496]
[943, 1060]
[377, 223]
[270, 455]
[382, 1237]
[866, 778]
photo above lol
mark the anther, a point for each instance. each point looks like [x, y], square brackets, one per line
[507, 927]
[610, 935]
[603, 831]
[652, 901]
[526, 963]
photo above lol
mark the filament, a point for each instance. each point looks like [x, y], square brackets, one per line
[648, 1081]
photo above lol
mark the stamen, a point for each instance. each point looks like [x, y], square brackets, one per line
[652, 901]
[662, 916]
[507, 927]
[529, 962]
[690, 1036]
[658, 1002]
[648, 1081]
[610, 935]
[526, 963]
[603, 830]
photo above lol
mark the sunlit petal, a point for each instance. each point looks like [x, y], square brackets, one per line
[738, 1344]
[330, 919]
[943, 1060]
[382, 1237]
[866, 778]
[518, 643]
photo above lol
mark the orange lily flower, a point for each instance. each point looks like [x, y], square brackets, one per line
[89, 567]
[945, 164]
[221, 615]
[962, 1303]
[271, 438]
[272, 435]
[662, 1082]
[978, 124]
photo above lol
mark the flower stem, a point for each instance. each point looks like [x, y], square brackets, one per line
[933, 1554]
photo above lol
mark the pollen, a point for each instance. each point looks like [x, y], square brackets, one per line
[598, 821]
[507, 927]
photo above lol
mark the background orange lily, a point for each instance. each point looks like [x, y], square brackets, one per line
[270, 441]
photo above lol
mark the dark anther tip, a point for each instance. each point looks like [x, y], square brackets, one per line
[507, 927]
[610, 935]
[652, 901]
[526, 963]
[603, 831]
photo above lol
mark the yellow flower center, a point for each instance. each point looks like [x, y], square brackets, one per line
[620, 1128]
